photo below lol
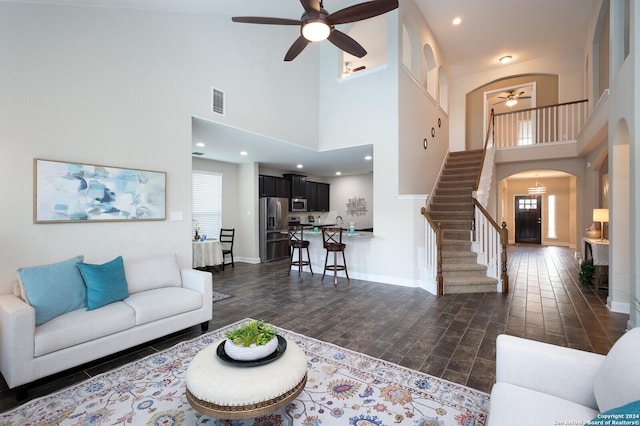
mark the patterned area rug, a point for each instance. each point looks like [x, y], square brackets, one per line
[343, 388]
[217, 296]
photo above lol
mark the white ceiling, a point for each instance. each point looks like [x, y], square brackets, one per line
[524, 29]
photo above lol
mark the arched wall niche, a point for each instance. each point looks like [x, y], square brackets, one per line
[443, 89]
[430, 80]
[411, 55]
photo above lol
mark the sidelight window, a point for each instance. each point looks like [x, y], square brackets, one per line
[551, 217]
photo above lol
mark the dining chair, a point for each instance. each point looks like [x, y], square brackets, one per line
[226, 241]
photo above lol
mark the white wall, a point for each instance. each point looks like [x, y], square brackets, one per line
[569, 66]
[119, 87]
[343, 189]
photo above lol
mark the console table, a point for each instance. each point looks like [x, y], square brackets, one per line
[593, 248]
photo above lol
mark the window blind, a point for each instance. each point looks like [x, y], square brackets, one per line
[206, 203]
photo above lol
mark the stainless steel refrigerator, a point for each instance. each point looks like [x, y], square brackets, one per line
[274, 239]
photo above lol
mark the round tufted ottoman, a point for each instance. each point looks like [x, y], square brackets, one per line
[228, 391]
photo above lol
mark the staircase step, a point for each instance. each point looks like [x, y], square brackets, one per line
[456, 245]
[475, 285]
[457, 234]
[446, 192]
[464, 270]
[458, 184]
[439, 216]
[450, 224]
[459, 257]
[454, 199]
[451, 207]
[450, 177]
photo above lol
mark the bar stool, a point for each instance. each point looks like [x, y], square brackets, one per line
[332, 241]
[297, 241]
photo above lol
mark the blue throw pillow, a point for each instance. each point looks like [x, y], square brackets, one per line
[54, 289]
[629, 413]
[106, 283]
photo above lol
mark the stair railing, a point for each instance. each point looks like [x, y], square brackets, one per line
[483, 180]
[491, 244]
[489, 240]
[434, 236]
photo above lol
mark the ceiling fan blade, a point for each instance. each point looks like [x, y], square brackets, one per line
[362, 11]
[295, 49]
[265, 20]
[311, 6]
[346, 43]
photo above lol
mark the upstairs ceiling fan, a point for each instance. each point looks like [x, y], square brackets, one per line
[316, 24]
[512, 98]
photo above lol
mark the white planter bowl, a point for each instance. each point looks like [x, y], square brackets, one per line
[250, 353]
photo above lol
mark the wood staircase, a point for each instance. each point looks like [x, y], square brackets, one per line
[452, 207]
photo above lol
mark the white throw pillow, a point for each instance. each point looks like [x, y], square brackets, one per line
[153, 272]
[617, 383]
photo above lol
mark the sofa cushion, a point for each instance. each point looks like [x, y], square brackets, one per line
[106, 283]
[81, 326]
[159, 303]
[153, 272]
[616, 383]
[53, 289]
[514, 405]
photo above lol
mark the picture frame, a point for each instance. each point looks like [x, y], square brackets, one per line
[74, 192]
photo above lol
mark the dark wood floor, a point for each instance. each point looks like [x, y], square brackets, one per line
[452, 336]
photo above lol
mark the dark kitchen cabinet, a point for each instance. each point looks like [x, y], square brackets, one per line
[272, 186]
[298, 185]
[322, 197]
[317, 197]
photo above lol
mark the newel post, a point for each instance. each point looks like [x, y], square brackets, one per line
[504, 239]
[439, 240]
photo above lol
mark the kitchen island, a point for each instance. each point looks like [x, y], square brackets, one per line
[356, 252]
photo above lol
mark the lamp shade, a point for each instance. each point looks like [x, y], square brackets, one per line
[601, 215]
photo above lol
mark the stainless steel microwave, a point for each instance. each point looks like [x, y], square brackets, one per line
[298, 204]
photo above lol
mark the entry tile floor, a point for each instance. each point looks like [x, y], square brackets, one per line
[452, 337]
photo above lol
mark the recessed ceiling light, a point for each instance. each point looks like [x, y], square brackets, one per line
[299, 166]
[368, 157]
[200, 144]
[505, 59]
[457, 20]
[338, 173]
[244, 153]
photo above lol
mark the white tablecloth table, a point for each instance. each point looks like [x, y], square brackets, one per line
[206, 253]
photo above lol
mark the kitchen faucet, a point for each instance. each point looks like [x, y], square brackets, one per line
[341, 220]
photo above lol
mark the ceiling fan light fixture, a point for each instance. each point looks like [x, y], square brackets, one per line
[316, 30]
[511, 102]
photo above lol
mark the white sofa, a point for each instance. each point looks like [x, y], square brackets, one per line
[162, 299]
[539, 384]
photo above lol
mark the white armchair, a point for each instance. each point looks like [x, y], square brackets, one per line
[539, 384]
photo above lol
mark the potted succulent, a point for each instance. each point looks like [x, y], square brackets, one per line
[254, 340]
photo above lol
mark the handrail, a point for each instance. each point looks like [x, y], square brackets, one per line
[484, 150]
[504, 240]
[437, 229]
[542, 107]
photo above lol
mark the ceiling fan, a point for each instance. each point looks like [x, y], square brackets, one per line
[512, 98]
[316, 24]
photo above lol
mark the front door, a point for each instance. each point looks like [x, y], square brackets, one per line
[528, 219]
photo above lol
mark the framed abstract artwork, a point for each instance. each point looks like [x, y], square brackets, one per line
[73, 192]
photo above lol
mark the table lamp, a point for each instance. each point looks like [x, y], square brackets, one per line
[602, 216]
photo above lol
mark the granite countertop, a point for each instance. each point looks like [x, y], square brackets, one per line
[345, 234]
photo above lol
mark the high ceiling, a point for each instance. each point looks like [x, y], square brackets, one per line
[524, 29]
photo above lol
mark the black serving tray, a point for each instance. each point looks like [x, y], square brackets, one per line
[282, 346]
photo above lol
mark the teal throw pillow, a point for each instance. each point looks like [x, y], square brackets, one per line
[106, 283]
[55, 289]
[629, 413]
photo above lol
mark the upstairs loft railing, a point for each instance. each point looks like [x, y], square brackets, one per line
[540, 125]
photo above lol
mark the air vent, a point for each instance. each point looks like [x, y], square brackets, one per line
[197, 153]
[217, 101]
